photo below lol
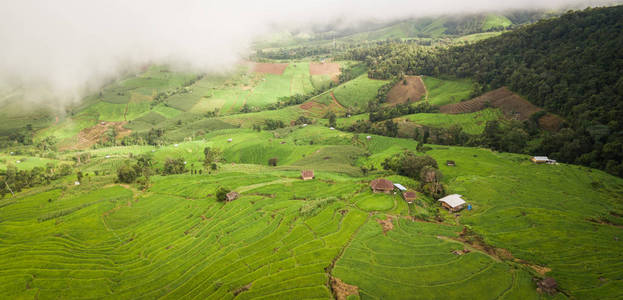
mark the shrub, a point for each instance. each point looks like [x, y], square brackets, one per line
[126, 174]
[273, 161]
[174, 166]
[221, 194]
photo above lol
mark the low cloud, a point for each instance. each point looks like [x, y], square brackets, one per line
[56, 52]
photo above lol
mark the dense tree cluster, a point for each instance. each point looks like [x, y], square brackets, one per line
[13, 180]
[419, 167]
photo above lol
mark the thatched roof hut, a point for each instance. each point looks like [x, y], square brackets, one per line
[381, 185]
[409, 196]
[307, 174]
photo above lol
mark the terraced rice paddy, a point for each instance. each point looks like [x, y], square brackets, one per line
[174, 240]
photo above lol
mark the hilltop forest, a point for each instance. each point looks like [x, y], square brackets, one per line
[572, 66]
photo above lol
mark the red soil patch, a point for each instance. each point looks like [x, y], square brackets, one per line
[401, 93]
[511, 104]
[331, 69]
[90, 136]
[269, 68]
[342, 290]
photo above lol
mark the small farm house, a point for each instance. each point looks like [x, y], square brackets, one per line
[307, 174]
[409, 196]
[542, 160]
[452, 202]
[382, 186]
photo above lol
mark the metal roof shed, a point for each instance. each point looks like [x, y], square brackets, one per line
[400, 187]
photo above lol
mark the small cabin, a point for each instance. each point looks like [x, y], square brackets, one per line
[450, 163]
[307, 174]
[231, 196]
[409, 196]
[453, 202]
[542, 160]
[382, 186]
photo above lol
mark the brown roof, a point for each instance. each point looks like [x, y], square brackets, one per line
[307, 174]
[409, 195]
[381, 184]
[232, 196]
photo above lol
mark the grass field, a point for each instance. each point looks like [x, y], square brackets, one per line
[445, 91]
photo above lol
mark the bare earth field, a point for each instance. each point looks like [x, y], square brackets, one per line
[90, 136]
[331, 69]
[511, 104]
[401, 93]
[269, 68]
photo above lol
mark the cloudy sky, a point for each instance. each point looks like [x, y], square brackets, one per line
[60, 50]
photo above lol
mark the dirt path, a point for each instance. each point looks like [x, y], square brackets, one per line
[336, 102]
[469, 247]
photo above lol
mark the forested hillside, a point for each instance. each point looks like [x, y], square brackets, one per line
[572, 66]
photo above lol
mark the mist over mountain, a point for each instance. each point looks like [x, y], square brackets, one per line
[56, 53]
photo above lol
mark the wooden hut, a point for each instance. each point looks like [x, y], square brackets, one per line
[382, 186]
[231, 196]
[450, 163]
[409, 196]
[307, 174]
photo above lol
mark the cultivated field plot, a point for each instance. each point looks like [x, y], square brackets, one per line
[471, 123]
[355, 94]
[445, 91]
[269, 68]
[412, 89]
[325, 68]
[511, 104]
